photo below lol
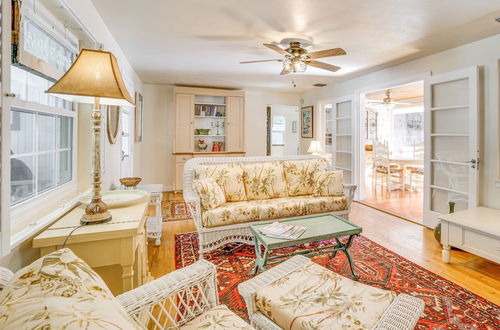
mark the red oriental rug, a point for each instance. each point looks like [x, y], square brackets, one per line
[447, 305]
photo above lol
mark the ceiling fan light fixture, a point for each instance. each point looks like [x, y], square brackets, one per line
[294, 65]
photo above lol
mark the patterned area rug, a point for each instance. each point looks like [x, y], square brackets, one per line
[175, 210]
[447, 305]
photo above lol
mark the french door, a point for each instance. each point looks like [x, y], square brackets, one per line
[451, 143]
[341, 122]
[126, 143]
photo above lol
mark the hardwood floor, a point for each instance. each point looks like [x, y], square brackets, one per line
[408, 239]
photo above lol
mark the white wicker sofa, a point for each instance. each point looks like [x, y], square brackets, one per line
[215, 228]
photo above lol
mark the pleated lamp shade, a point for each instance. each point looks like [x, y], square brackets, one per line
[95, 73]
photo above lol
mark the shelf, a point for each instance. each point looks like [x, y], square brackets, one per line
[211, 117]
[343, 118]
[221, 104]
[214, 135]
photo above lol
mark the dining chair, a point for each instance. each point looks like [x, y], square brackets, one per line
[391, 175]
[416, 172]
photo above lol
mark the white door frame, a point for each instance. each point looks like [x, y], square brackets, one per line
[360, 122]
[472, 74]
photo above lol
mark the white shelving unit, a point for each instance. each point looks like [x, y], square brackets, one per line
[210, 113]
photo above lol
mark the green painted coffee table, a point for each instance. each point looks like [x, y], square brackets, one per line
[319, 228]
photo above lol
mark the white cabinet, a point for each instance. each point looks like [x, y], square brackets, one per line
[235, 124]
[184, 122]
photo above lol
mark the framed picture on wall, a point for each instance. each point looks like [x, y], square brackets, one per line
[306, 122]
[139, 105]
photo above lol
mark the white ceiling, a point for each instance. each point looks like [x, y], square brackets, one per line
[201, 42]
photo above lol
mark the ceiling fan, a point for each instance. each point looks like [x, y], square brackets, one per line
[388, 102]
[297, 58]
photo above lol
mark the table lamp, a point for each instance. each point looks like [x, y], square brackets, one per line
[315, 148]
[94, 78]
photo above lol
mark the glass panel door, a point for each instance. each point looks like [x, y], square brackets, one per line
[451, 144]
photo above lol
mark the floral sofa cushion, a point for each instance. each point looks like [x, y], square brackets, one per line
[313, 297]
[211, 194]
[228, 176]
[60, 291]
[264, 180]
[328, 183]
[299, 175]
[217, 318]
[240, 212]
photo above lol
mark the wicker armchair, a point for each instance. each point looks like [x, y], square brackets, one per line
[402, 314]
[213, 238]
[168, 302]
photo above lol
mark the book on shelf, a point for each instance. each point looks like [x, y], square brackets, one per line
[282, 230]
[207, 111]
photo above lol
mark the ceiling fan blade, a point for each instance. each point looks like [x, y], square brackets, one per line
[401, 103]
[324, 66]
[259, 61]
[276, 49]
[374, 101]
[327, 53]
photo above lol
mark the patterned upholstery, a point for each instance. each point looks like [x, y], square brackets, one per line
[328, 183]
[299, 175]
[211, 194]
[217, 318]
[60, 291]
[313, 297]
[239, 212]
[264, 180]
[228, 176]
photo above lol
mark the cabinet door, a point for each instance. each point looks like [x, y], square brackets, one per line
[235, 124]
[180, 160]
[184, 117]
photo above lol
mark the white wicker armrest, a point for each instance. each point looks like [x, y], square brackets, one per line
[5, 276]
[248, 288]
[175, 298]
[402, 314]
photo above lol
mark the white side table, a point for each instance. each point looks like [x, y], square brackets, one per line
[154, 223]
[475, 230]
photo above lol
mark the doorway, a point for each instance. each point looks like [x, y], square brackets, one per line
[126, 142]
[283, 132]
[393, 149]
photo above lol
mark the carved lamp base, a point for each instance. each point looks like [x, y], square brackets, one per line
[96, 212]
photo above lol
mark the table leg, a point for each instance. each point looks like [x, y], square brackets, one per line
[260, 259]
[446, 254]
[345, 248]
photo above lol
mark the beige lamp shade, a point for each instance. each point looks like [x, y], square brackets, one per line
[315, 147]
[95, 73]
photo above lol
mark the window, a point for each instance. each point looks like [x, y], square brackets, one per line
[278, 131]
[41, 134]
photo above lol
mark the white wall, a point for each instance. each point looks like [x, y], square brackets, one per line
[484, 53]
[255, 117]
[291, 113]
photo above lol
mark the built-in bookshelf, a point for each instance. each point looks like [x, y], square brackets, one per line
[209, 123]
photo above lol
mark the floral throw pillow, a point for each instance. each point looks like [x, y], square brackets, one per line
[264, 180]
[299, 175]
[211, 194]
[328, 183]
[228, 176]
[60, 291]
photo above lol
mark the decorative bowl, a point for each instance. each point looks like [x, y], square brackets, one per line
[202, 131]
[130, 182]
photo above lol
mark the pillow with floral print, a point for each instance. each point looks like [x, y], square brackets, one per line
[328, 183]
[211, 194]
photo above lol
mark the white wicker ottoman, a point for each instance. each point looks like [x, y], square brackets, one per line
[337, 303]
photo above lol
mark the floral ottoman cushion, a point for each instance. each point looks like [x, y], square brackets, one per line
[217, 318]
[60, 291]
[313, 297]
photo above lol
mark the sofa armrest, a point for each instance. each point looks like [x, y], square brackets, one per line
[5, 276]
[175, 298]
[402, 314]
[248, 288]
[349, 190]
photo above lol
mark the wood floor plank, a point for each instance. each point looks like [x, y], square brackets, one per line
[405, 238]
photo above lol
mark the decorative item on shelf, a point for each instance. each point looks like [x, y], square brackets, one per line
[112, 122]
[202, 131]
[94, 78]
[217, 146]
[202, 145]
[315, 148]
[130, 183]
[219, 114]
[139, 106]
[306, 122]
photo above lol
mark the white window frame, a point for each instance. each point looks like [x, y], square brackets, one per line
[282, 132]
